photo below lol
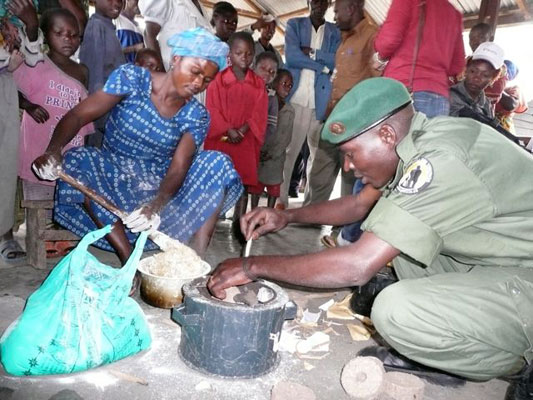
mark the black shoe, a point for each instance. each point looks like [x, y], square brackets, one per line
[394, 361]
[293, 194]
[522, 389]
[363, 296]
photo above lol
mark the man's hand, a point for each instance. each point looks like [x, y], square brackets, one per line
[47, 166]
[306, 50]
[262, 220]
[378, 64]
[264, 156]
[227, 274]
[38, 113]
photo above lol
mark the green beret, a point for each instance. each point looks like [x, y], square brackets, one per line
[365, 106]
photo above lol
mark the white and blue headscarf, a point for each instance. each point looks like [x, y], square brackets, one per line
[198, 42]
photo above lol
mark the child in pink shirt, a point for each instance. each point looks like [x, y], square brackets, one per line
[49, 90]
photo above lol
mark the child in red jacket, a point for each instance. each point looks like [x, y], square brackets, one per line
[237, 102]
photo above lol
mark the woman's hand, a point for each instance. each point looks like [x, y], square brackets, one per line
[47, 166]
[262, 220]
[234, 136]
[144, 218]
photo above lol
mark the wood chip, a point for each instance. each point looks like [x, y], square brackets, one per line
[341, 310]
[128, 377]
[402, 386]
[358, 333]
[308, 366]
[286, 390]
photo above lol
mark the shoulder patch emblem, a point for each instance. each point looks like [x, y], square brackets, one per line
[416, 178]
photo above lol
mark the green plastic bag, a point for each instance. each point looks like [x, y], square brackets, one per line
[81, 316]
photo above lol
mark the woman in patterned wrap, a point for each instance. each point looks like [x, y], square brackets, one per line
[150, 164]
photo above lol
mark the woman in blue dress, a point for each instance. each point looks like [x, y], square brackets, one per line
[150, 164]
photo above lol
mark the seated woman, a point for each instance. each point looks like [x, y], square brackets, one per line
[150, 164]
[467, 98]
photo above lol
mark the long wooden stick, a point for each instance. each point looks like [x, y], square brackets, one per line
[90, 193]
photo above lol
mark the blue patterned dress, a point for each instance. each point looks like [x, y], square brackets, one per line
[138, 147]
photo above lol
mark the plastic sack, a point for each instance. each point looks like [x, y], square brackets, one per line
[81, 316]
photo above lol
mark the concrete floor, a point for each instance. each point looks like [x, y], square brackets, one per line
[159, 374]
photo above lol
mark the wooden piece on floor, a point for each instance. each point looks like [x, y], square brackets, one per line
[402, 386]
[286, 390]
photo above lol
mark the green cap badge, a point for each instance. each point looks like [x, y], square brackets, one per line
[366, 105]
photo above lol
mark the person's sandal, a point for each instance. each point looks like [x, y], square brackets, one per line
[11, 252]
[329, 241]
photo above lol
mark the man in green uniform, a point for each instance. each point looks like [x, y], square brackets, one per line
[452, 208]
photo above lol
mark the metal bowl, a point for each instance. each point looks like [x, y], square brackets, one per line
[163, 291]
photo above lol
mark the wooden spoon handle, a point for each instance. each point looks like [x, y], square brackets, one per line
[90, 193]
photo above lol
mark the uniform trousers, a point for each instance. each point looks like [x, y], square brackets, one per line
[9, 144]
[323, 173]
[305, 125]
[474, 322]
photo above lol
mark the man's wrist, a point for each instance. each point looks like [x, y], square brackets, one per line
[289, 214]
[246, 269]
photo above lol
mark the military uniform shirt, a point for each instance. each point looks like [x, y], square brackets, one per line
[462, 194]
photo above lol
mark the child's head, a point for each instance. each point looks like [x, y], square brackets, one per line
[241, 50]
[483, 68]
[61, 31]
[224, 20]
[283, 83]
[109, 8]
[266, 65]
[149, 59]
[268, 31]
[480, 33]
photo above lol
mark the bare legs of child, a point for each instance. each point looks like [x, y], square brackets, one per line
[271, 201]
